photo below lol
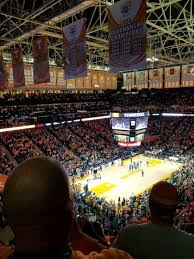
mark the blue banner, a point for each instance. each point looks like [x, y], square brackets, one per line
[127, 35]
[74, 43]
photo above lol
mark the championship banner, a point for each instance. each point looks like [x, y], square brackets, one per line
[9, 70]
[108, 81]
[156, 78]
[61, 82]
[79, 82]
[18, 68]
[88, 80]
[142, 79]
[71, 84]
[28, 71]
[172, 77]
[127, 35]
[129, 80]
[95, 80]
[3, 74]
[75, 49]
[102, 80]
[52, 72]
[188, 75]
[114, 81]
[41, 62]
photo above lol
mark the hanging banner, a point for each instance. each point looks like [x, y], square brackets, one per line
[79, 82]
[108, 80]
[188, 75]
[28, 71]
[128, 80]
[102, 79]
[88, 80]
[95, 80]
[156, 78]
[9, 70]
[52, 71]
[3, 74]
[61, 82]
[172, 77]
[74, 43]
[41, 62]
[114, 81]
[142, 79]
[18, 68]
[127, 35]
[71, 84]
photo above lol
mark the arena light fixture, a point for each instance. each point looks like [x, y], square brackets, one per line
[97, 118]
[178, 114]
[17, 128]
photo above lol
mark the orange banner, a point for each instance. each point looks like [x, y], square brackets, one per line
[3, 74]
[108, 81]
[113, 81]
[61, 82]
[95, 80]
[53, 81]
[41, 62]
[79, 83]
[187, 75]
[156, 78]
[172, 77]
[9, 70]
[128, 80]
[102, 80]
[71, 84]
[88, 81]
[18, 68]
[142, 79]
[28, 75]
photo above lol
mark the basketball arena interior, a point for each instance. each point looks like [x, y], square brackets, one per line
[97, 129]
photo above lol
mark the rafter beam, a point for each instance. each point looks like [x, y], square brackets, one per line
[76, 9]
[169, 33]
[154, 7]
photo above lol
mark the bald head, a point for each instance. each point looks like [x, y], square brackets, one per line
[163, 200]
[37, 195]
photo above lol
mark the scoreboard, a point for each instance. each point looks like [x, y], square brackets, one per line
[129, 128]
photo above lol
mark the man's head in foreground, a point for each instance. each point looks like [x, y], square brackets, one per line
[163, 201]
[38, 203]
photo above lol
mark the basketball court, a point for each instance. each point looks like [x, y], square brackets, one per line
[116, 181]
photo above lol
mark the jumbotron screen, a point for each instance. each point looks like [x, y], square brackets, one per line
[126, 121]
[129, 128]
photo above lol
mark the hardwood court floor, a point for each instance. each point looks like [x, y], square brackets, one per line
[116, 181]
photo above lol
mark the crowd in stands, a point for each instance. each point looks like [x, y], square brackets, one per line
[83, 146]
[94, 224]
[135, 209]
[38, 97]
[24, 114]
[155, 99]
[176, 135]
[39, 107]
[6, 164]
[68, 144]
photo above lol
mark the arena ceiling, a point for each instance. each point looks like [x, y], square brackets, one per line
[170, 27]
